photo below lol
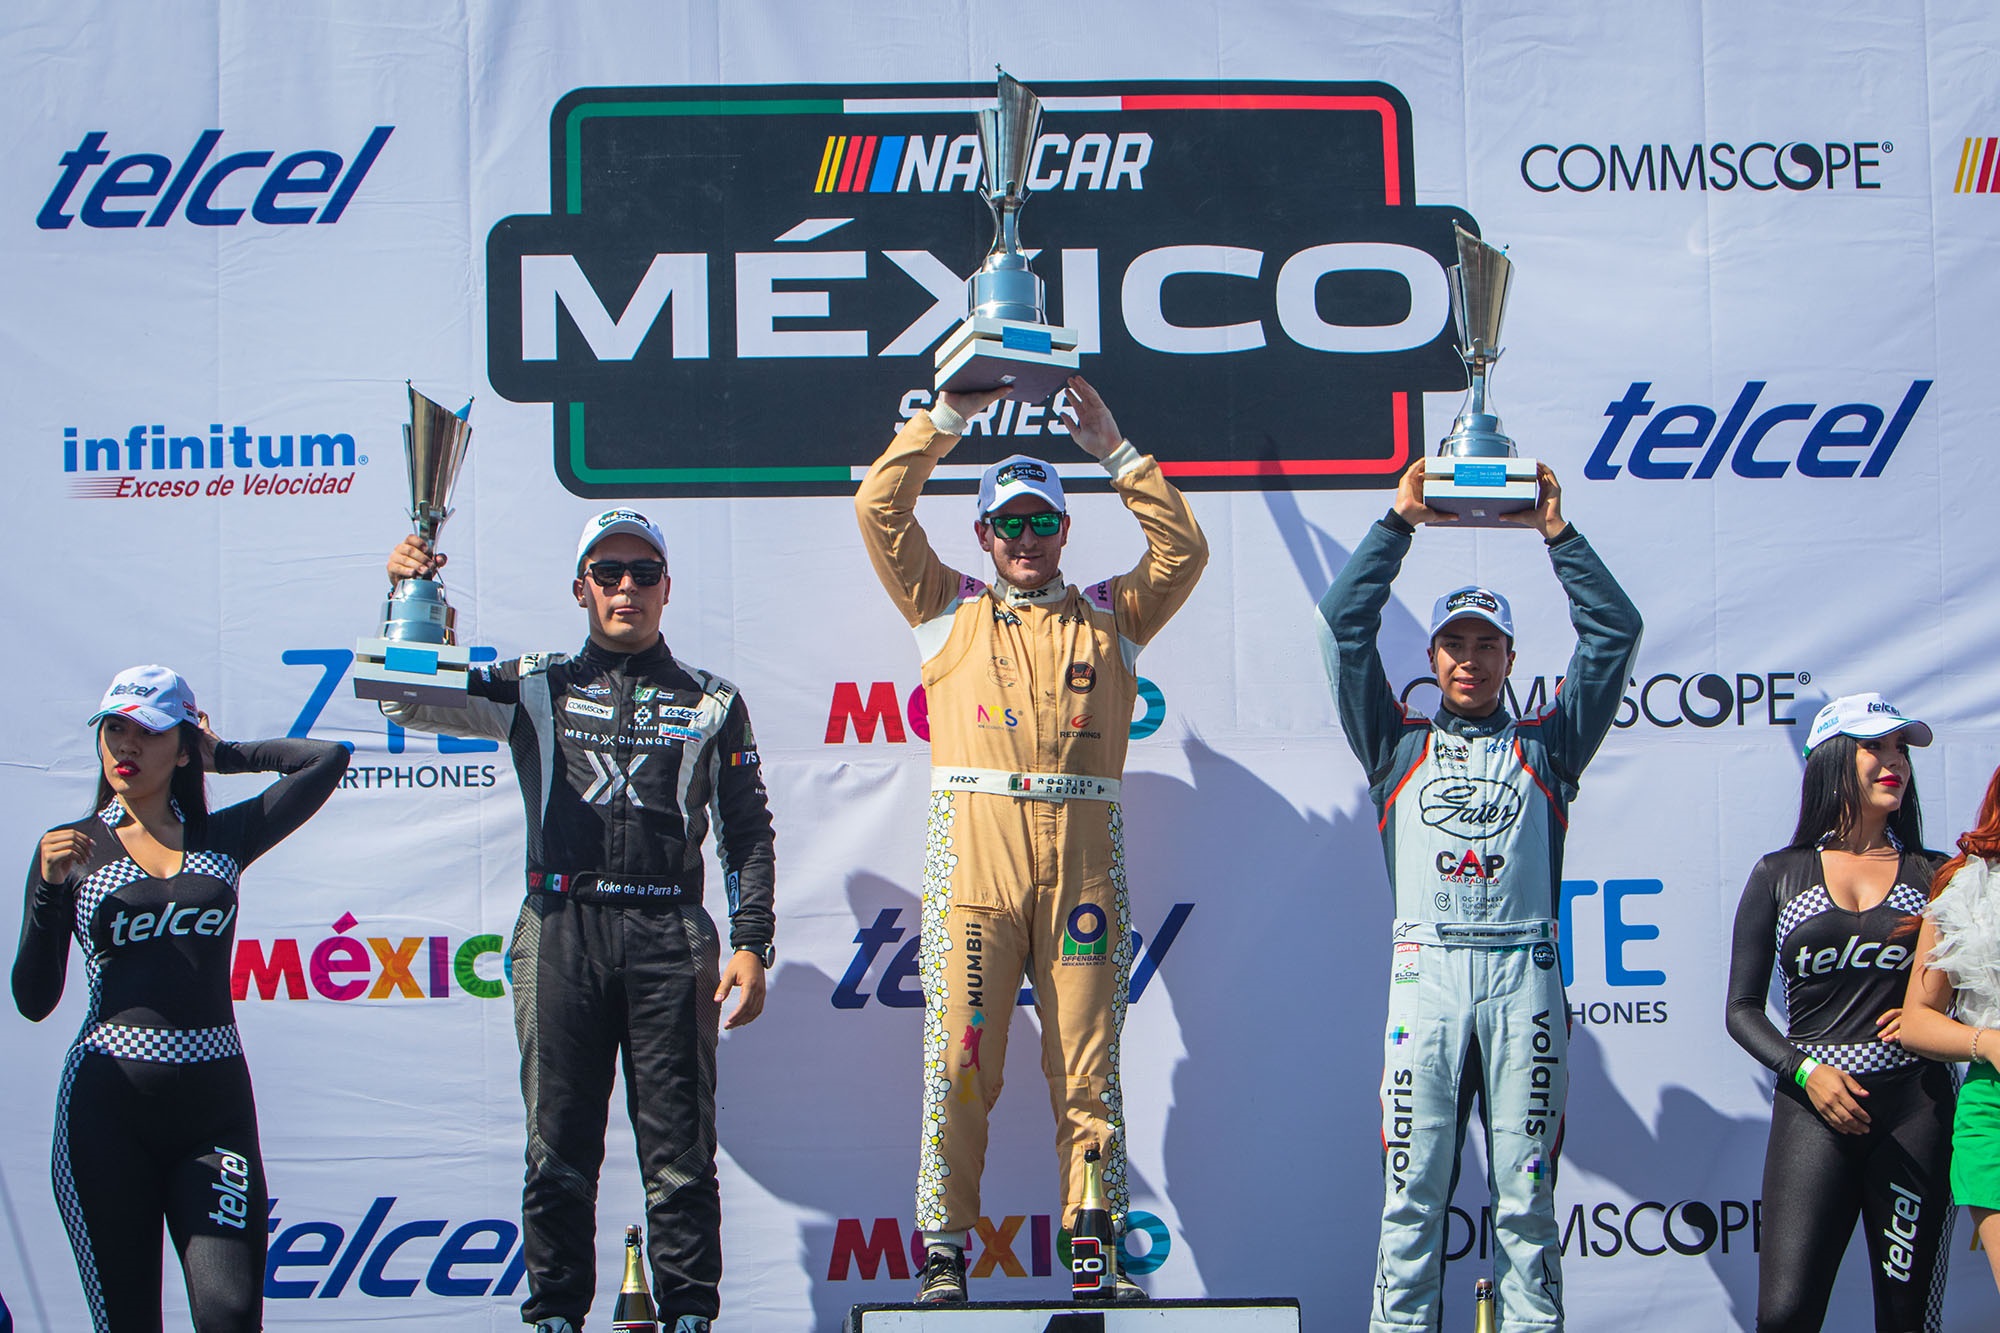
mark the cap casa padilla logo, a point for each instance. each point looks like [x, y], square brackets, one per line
[881, 714]
[666, 276]
[271, 464]
[878, 1252]
[899, 163]
[1976, 173]
[344, 967]
[396, 775]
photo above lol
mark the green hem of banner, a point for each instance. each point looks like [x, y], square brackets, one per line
[686, 476]
[573, 126]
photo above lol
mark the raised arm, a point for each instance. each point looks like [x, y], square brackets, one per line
[917, 581]
[1350, 622]
[1607, 638]
[1176, 552]
[487, 711]
[311, 769]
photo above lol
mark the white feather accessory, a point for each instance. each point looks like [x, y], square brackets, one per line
[1967, 916]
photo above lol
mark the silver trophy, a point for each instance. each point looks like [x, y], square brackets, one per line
[417, 658]
[1477, 474]
[1006, 340]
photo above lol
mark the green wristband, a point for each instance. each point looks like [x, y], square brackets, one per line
[1804, 1071]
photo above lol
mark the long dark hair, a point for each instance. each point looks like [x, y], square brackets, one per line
[1830, 798]
[188, 787]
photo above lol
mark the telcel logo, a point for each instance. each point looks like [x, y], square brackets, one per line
[195, 183]
[1684, 442]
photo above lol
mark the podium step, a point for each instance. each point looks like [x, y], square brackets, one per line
[1273, 1315]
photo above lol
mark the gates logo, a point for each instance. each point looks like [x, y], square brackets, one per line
[758, 247]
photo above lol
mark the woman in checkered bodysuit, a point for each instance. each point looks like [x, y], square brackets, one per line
[1860, 1127]
[154, 1118]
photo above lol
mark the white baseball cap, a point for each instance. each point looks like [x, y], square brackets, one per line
[154, 697]
[1864, 717]
[612, 522]
[1476, 602]
[1011, 478]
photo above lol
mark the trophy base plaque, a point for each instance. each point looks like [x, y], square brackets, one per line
[1480, 490]
[1204, 1316]
[430, 674]
[1031, 361]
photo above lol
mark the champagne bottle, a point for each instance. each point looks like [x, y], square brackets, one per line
[1092, 1249]
[1483, 1320]
[634, 1312]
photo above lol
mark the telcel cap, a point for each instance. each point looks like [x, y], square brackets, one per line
[153, 696]
[1011, 478]
[1477, 602]
[1864, 717]
[612, 522]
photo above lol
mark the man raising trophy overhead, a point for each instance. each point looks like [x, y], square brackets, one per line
[1031, 683]
[1474, 805]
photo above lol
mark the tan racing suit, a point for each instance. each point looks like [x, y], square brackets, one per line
[1030, 698]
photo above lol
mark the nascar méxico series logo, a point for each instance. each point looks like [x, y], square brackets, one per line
[732, 282]
[1976, 171]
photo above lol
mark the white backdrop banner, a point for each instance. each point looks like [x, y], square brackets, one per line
[695, 258]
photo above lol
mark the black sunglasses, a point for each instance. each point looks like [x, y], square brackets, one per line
[1045, 524]
[611, 573]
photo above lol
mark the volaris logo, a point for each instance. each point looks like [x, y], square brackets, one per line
[715, 256]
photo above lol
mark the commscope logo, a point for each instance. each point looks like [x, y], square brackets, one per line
[288, 195]
[344, 966]
[1796, 165]
[751, 244]
[1649, 1229]
[1663, 700]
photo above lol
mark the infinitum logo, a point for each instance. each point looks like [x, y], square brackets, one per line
[1976, 173]
[117, 467]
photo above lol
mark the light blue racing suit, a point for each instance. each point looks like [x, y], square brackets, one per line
[1473, 813]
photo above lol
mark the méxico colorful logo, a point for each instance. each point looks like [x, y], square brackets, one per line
[738, 291]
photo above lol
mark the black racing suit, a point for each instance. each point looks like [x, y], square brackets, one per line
[1842, 970]
[622, 762]
[154, 1119]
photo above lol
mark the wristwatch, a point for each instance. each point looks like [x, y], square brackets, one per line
[768, 955]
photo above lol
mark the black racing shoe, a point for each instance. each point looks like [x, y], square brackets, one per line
[1125, 1289]
[941, 1281]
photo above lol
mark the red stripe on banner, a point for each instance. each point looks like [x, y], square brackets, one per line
[866, 157]
[847, 170]
[1986, 168]
[1313, 467]
[1392, 189]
